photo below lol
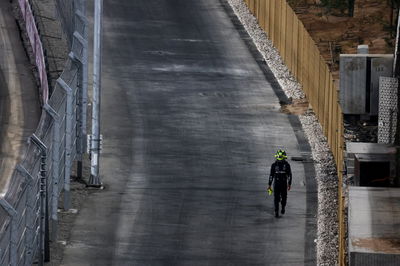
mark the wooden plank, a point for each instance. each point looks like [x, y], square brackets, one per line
[306, 66]
[257, 9]
[309, 70]
[277, 26]
[326, 103]
[334, 130]
[272, 20]
[300, 53]
[330, 130]
[321, 95]
[315, 78]
[262, 15]
[289, 40]
[268, 17]
[283, 32]
[295, 45]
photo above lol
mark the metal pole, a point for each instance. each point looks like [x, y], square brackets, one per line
[396, 61]
[396, 74]
[94, 179]
[44, 249]
[83, 92]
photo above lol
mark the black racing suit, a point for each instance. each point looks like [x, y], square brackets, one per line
[281, 175]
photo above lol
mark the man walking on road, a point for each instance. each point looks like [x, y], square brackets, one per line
[281, 176]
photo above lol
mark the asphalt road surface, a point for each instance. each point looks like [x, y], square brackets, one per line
[191, 122]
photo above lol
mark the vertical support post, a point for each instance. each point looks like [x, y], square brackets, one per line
[55, 169]
[95, 140]
[13, 234]
[81, 121]
[85, 73]
[68, 142]
[44, 222]
[30, 213]
[81, 37]
[396, 74]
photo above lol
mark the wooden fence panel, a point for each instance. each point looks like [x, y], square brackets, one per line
[315, 78]
[251, 7]
[272, 21]
[277, 24]
[321, 93]
[330, 130]
[289, 40]
[295, 46]
[268, 12]
[257, 7]
[262, 14]
[300, 53]
[282, 32]
[306, 65]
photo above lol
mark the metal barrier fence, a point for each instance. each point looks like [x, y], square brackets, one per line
[65, 11]
[37, 47]
[28, 217]
[302, 57]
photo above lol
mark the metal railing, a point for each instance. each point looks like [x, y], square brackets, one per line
[28, 213]
[302, 57]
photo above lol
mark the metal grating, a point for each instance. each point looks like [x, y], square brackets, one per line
[387, 109]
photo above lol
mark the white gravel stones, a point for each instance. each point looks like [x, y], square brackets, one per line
[327, 230]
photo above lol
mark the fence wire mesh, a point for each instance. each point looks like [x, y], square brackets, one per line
[44, 172]
[65, 11]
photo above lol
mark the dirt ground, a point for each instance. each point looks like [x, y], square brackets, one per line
[336, 33]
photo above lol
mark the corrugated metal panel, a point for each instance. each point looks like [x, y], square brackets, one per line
[374, 259]
[353, 78]
[380, 67]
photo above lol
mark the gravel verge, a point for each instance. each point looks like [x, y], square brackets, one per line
[327, 242]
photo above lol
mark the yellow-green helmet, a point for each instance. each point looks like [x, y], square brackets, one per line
[280, 155]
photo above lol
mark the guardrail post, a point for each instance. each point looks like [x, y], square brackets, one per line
[44, 209]
[55, 169]
[68, 142]
[13, 225]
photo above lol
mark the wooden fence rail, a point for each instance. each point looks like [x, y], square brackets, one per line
[302, 57]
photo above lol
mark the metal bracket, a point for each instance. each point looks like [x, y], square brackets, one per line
[22, 170]
[81, 16]
[80, 38]
[74, 58]
[64, 85]
[8, 208]
[51, 111]
[38, 142]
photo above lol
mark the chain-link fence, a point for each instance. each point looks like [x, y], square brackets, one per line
[65, 11]
[28, 217]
